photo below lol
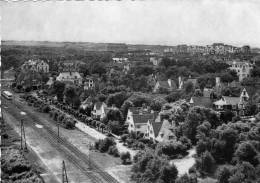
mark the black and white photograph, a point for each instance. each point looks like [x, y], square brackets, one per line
[130, 91]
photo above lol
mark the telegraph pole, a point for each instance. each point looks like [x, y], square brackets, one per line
[23, 138]
[58, 131]
[64, 173]
[89, 148]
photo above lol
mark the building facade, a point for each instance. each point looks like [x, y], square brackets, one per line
[243, 69]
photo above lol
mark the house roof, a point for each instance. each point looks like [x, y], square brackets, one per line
[165, 84]
[70, 75]
[156, 127]
[232, 100]
[138, 110]
[98, 105]
[193, 81]
[142, 118]
[228, 101]
[202, 101]
[207, 92]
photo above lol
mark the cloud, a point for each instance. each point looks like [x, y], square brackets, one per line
[150, 22]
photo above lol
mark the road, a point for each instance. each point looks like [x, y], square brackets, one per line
[88, 169]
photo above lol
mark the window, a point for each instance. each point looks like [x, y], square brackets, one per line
[162, 135]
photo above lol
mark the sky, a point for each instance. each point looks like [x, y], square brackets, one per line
[165, 22]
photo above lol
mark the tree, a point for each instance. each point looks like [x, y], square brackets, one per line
[58, 89]
[224, 174]
[70, 94]
[117, 99]
[243, 172]
[98, 68]
[189, 88]
[255, 72]
[125, 157]
[76, 102]
[246, 152]
[168, 174]
[207, 162]
[114, 115]
[115, 127]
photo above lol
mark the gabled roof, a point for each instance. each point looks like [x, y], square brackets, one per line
[165, 84]
[232, 100]
[156, 127]
[142, 118]
[201, 101]
[228, 101]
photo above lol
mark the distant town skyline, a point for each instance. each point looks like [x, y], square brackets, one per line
[157, 22]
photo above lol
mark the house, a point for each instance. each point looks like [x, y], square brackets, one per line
[235, 104]
[70, 77]
[119, 59]
[160, 131]
[29, 78]
[86, 103]
[168, 85]
[156, 61]
[35, 65]
[8, 77]
[138, 122]
[50, 82]
[137, 117]
[242, 69]
[88, 83]
[69, 66]
[99, 110]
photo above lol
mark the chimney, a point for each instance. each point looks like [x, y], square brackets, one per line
[170, 82]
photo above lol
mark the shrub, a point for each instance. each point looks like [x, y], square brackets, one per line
[46, 109]
[125, 157]
[113, 151]
[68, 123]
[105, 144]
[60, 117]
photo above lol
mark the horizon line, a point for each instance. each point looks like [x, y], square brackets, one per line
[146, 44]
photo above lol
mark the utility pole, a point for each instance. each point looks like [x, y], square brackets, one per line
[58, 131]
[64, 173]
[89, 160]
[23, 139]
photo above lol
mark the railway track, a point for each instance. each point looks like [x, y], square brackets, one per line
[75, 156]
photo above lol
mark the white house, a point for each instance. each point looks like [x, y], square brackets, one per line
[35, 65]
[72, 77]
[242, 69]
[120, 59]
[99, 110]
[160, 131]
[235, 104]
[88, 83]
